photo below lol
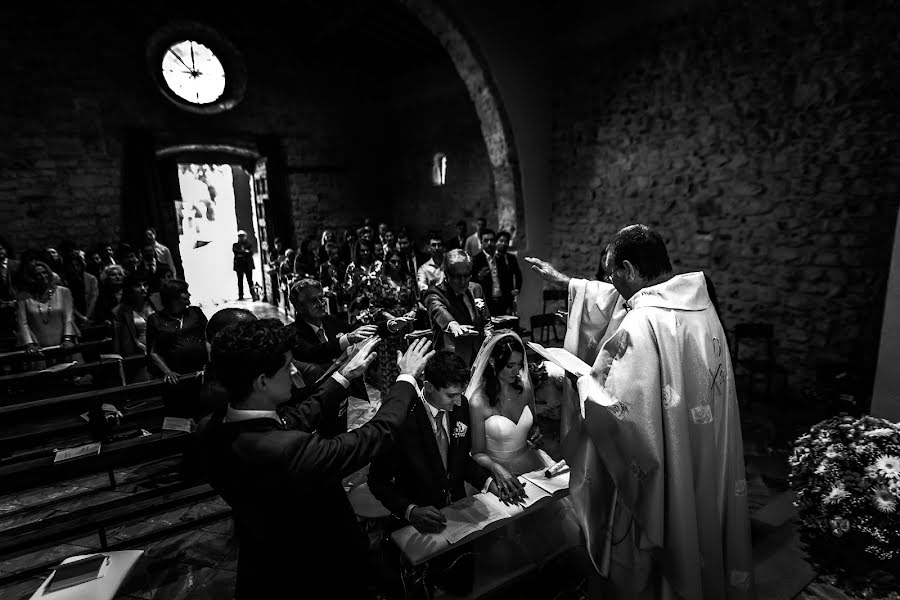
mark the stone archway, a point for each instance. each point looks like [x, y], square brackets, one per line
[495, 128]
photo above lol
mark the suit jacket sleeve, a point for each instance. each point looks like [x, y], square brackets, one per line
[437, 311]
[348, 452]
[309, 407]
[479, 262]
[381, 484]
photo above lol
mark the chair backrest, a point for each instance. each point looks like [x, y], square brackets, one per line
[554, 295]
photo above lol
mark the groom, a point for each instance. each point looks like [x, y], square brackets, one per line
[426, 468]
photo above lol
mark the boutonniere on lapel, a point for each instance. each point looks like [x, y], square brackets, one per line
[479, 303]
[460, 430]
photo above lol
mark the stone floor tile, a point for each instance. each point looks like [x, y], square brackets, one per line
[54, 554]
[21, 590]
[225, 526]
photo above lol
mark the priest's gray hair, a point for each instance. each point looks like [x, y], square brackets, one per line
[455, 257]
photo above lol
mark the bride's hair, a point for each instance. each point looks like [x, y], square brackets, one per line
[501, 354]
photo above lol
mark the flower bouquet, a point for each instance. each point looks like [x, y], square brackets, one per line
[846, 476]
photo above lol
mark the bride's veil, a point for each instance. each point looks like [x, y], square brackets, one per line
[476, 383]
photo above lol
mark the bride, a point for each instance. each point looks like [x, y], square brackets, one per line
[505, 433]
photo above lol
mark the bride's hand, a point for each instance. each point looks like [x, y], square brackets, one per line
[509, 488]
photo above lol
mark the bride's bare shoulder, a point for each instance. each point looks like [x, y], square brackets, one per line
[478, 401]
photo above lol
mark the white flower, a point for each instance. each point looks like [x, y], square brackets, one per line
[883, 500]
[836, 494]
[460, 429]
[888, 465]
[479, 303]
[880, 432]
[821, 469]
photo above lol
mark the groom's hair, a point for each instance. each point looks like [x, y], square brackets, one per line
[446, 368]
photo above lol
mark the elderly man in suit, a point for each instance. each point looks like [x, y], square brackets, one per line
[295, 526]
[320, 339]
[459, 315]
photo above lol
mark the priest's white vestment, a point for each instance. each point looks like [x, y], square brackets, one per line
[654, 442]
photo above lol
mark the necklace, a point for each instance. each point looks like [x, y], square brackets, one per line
[180, 319]
[44, 313]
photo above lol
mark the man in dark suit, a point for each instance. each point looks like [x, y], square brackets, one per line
[8, 270]
[321, 338]
[295, 526]
[510, 274]
[459, 240]
[243, 264]
[460, 318]
[427, 467]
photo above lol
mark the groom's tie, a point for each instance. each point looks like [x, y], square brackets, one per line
[441, 435]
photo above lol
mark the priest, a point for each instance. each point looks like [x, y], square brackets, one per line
[653, 434]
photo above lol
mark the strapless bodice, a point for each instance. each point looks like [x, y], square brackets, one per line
[507, 442]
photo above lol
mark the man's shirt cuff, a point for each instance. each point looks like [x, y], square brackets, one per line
[408, 511]
[343, 341]
[487, 484]
[345, 383]
[410, 380]
[447, 328]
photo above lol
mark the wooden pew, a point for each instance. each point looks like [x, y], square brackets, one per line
[82, 401]
[33, 385]
[15, 360]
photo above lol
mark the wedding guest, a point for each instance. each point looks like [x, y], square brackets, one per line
[331, 277]
[394, 308]
[176, 335]
[128, 258]
[458, 241]
[389, 240]
[45, 311]
[291, 513]
[361, 275]
[326, 238]
[84, 287]
[347, 246]
[432, 271]
[276, 257]
[243, 264]
[661, 382]
[473, 242]
[411, 258]
[378, 252]
[8, 269]
[149, 263]
[111, 279]
[305, 260]
[53, 260]
[129, 320]
[510, 275]
[320, 338]
[163, 254]
[163, 274]
[460, 318]
[485, 268]
[94, 263]
[107, 254]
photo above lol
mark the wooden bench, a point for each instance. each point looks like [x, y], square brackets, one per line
[15, 360]
[33, 385]
[83, 400]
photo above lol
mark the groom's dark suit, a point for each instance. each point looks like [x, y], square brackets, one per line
[412, 472]
[295, 526]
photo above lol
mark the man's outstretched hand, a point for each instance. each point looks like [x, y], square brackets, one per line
[546, 271]
[364, 356]
[413, 362]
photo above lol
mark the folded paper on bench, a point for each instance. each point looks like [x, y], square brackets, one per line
[77, 452]
[178, 424]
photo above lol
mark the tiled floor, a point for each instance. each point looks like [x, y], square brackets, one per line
[201, 563]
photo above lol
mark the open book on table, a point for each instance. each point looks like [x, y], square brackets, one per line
[477, 512]
[565, 359]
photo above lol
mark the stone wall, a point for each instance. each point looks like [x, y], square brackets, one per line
[431, 113]
[763, 140]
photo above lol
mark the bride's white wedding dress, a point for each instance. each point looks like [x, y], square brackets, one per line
[506, 443]
[546, 532]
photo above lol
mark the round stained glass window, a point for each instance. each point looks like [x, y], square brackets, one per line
[193, 72]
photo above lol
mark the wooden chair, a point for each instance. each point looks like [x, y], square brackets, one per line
[546, 323]
[554, 295]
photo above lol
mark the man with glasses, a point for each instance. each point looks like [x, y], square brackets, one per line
[653, 433]
[460, 318]
[321, 338]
